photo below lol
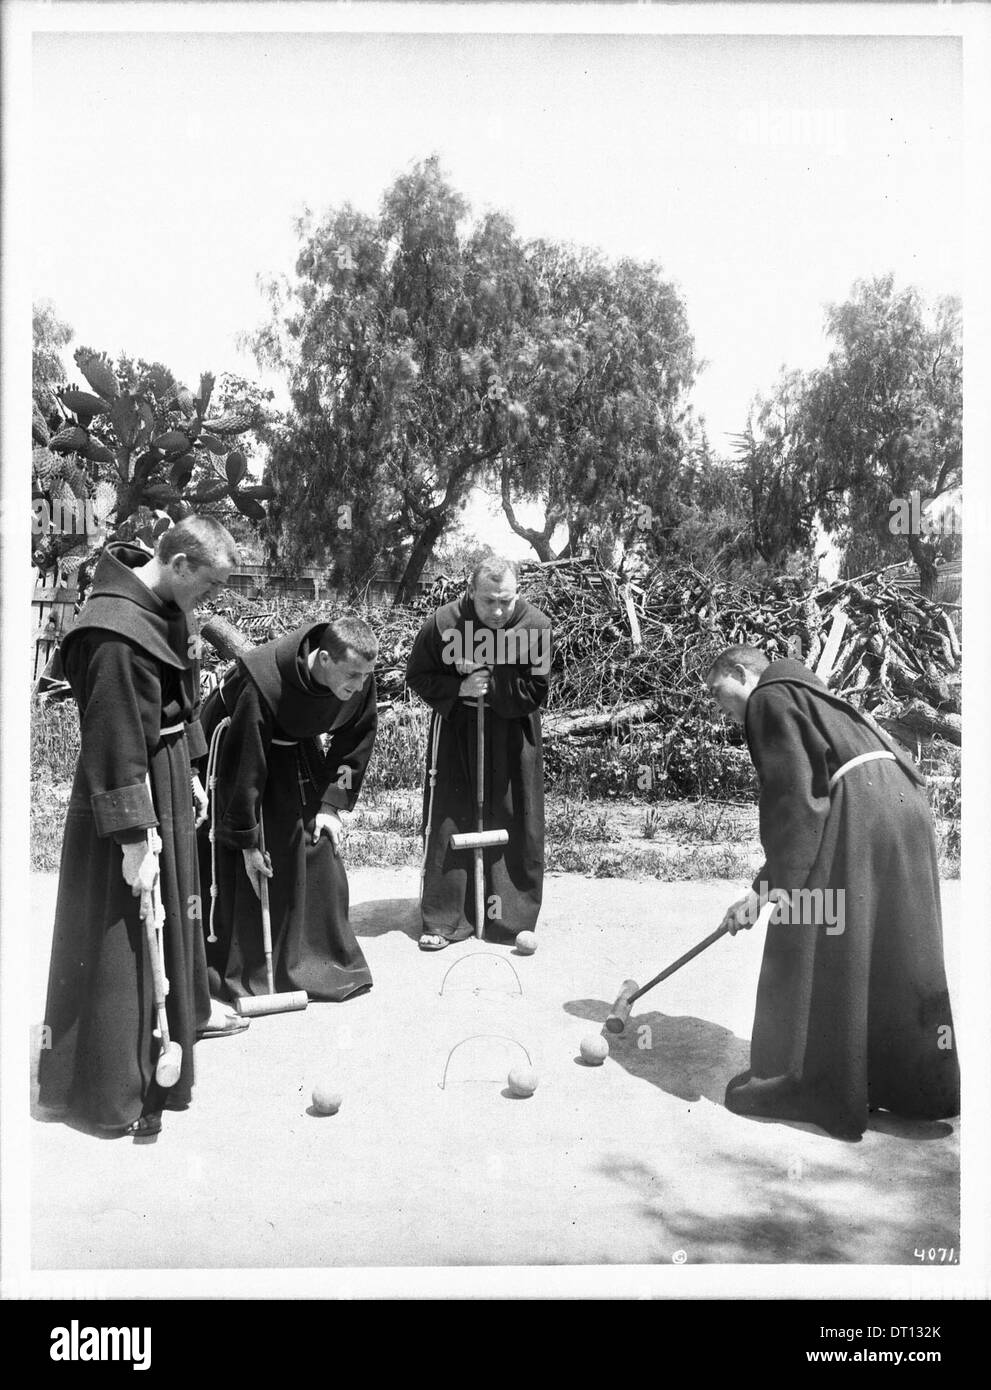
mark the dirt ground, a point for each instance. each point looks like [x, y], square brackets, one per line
[431, 1161]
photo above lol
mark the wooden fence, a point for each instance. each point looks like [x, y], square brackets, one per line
[255, 581]
[949, 585]
[52, 609]
[52, 606]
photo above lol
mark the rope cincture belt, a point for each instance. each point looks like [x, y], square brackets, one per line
[434, 740]
[855, 762]
[211, 787]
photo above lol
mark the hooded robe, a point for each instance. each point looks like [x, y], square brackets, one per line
[852, 1011]
[271, 762]
[519, 656]
[131, 664]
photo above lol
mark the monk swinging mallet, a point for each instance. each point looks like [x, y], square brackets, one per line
[482, 838]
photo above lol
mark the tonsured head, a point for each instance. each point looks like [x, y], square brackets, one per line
[732, 677]
[492, 590]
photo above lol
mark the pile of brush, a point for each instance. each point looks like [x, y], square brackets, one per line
[633, 652]
[629, 653]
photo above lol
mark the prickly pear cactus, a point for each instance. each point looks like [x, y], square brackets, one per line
[139, 451]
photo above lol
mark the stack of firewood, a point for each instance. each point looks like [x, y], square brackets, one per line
[635, 652]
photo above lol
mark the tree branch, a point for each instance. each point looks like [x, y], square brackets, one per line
[540, 540]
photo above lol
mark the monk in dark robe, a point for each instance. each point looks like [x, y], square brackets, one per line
[853, 1013]
[271, 774]
[491, 642]
[132, 666]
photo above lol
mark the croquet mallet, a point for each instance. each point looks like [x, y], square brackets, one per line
[253, 1005]
[481, 838]
[631, 991]
[169, 1063]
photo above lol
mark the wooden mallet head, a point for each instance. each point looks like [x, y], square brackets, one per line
[620, 1015]
[479, 839]
[257, 1005]
[169, 1065]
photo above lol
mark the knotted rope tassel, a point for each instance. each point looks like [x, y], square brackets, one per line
[432, 778]
[213, 757]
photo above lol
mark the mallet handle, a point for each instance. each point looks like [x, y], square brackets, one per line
[480, 819]
[480, 765]
[266, 912]
[682, 960]
[169, 1064]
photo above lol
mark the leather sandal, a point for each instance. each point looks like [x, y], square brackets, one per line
[231, 1025]
[145, 1126]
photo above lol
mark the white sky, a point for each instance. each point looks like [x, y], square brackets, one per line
[764, 174]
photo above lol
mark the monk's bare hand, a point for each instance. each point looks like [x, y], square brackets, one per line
[201, 804]
[476, 684]
[329, 823]
[257, 866]
[140, 870]
[742, 914]
[745, 913]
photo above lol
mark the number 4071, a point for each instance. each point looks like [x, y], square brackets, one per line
[937, 1255]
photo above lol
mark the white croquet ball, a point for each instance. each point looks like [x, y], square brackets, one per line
[526, 943]
[594, 1049]
[523, 1081]
[326, 1100]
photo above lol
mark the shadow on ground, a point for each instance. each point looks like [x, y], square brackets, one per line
[784, 1220]
[925, 1130]
[686, 1057]
[691, 1058]
[790, 1211]
[384, 915]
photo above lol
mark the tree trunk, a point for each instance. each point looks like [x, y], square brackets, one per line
[423, 548]
[592, 721]
[540, 540]
[540, 545]
[439, 518]
[928, 569]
